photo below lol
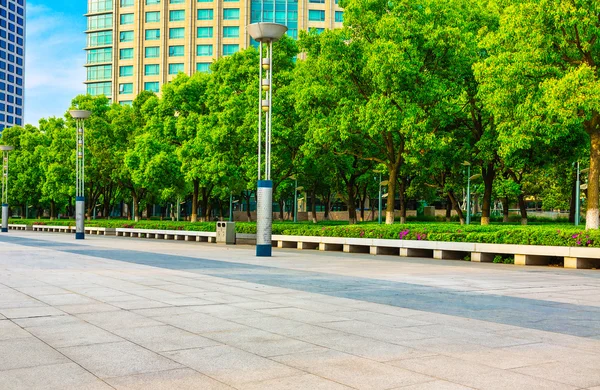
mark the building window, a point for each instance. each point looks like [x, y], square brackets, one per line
[177, 15]
[126, 54]
[99, 22]
[316, 15]
[126, 102]
[231, 32]
[98, 89]
[126, 19]
[102, 38]
[126, 36]
[151, 70]
[152, 35]
[175, 68]
[339, 16]
[152, 86]
[125, 89]
[205, 14]
[231, 14]
[176, 1]
[100, 5]
[152, 52]
[205, 50]
[126, 71]
[95, 56]
[230, 49]
[152, 2]
[152, 17]
[176, 51]
[126, 3]
[205, 32]
[103, 72]
[203, 67]
[177, 33]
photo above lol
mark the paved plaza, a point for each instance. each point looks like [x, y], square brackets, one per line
[123, 313]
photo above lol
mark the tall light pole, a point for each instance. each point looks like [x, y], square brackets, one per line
[468, 217]
[577, 195]
[265, 34]
[5, 149]
[80, 116]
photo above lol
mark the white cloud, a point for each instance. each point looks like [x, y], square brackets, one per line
[54, 60]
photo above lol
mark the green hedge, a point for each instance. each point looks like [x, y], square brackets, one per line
[556, 235]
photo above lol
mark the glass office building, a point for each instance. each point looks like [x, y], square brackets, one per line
[12, 62]
[136, 45]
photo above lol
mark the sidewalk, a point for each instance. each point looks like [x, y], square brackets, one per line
[113, 313]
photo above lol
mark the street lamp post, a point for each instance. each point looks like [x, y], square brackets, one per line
[265, 34]
[380, 201]
[80, 116]
[5, 149]
[468, 217]
[577, 195]
[295, 200]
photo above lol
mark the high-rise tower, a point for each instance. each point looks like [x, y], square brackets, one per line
[136, 45]
[12, 62]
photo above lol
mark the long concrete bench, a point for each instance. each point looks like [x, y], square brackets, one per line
[574, 257]
[182, 235]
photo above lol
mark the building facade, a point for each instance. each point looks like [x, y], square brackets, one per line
[12, 63]
[137, 45]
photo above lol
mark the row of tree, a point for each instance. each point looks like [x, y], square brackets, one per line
[416, 89]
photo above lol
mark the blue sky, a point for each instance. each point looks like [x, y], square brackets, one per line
[54, 72]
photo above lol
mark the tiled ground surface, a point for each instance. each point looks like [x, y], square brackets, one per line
[128, 313]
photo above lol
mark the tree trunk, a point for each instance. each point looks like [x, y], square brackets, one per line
[448, 209]
[194, 217]
[363, 199]
[391, 198]
[456, 207]
[523, 209]
[351, 202]
[52, 209]
[505, 210]
[135, 211]
[327, 207]
[313, 206]
[488, 179]
[248, 213]
[281, 207]
[592, 219]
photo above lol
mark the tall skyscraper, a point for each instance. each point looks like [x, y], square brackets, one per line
[12, 62]
[136, 45]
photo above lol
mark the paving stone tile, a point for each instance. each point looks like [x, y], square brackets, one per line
[87, 308]
[262, 343]
[46, 321]
[378, 332]
[166, 311]
[435, 385]
[68, 376]
[27, 352]
[231, 365]
[28, 312]
[352, 371]
[284, 326]
[226, 311]
[66, 299]
[139, 304]
[307, 316]
[179, 379]
[200, 323]
[565, 373]
[302, 382]
[118, 320]
[476, 375]
[10, 331]
[72, 334]
[164, 338]
[117, 359]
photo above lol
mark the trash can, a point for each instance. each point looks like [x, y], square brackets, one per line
[226, 233]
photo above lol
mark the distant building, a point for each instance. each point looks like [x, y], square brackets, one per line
[136, 45]
[12, 62]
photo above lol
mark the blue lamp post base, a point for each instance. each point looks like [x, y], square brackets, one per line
[79, 218]
[4, 228]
